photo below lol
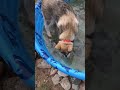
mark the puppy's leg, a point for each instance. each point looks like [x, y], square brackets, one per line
[70, 48]
[58, 46]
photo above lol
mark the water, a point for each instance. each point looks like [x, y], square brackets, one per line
[77, 57]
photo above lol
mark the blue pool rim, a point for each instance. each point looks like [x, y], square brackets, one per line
[41, 49]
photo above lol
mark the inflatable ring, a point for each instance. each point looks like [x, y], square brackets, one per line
[40, 46]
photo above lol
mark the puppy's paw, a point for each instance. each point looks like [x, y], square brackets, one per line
[70, 48]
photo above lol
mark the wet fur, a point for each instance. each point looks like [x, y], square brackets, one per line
[61, 16]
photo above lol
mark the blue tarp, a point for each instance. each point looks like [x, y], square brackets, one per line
[12, 49]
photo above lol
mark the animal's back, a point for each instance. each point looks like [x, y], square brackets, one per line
[56, 7]
[51, 2]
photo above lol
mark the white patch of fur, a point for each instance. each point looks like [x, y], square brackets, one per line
[67, 35]
[67, 18]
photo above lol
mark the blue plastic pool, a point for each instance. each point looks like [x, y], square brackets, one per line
[40, 46]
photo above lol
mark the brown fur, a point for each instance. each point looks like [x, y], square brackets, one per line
[64, 46]
[59, 14]
[68, 23]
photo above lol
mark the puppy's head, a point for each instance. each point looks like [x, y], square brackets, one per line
[68, 21]
[68, 25]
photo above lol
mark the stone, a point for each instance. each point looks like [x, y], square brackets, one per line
[75, 87]
[62, 74]
[82, 86]
[65, 83]
[38, 61]
[56, 79]
[75, 81]
[43, 64]
[53, 71]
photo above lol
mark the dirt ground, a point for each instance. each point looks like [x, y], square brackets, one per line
[44, 81]
[43, 78]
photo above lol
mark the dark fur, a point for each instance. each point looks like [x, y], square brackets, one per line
[52, 11]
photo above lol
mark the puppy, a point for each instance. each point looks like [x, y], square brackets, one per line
[61, 16]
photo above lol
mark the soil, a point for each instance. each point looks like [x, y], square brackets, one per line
[44, 80]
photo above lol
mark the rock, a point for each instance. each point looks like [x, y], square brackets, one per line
[62, 74]
[36, 84]
[43, 64]
[75, 81]
[38, 61]
[82, 86]
[72, 79]
[56, 79]
[75, 87]
[65, 83]
[53, 71]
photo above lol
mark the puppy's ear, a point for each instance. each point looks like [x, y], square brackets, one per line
[59, 23]
[76, 21]
[76, 24]
[63, 20]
